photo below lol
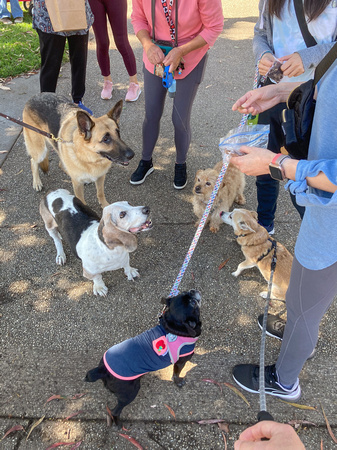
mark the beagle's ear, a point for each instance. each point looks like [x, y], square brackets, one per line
[113, 236]
[253, 214]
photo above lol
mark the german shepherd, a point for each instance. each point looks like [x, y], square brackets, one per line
[86, 147]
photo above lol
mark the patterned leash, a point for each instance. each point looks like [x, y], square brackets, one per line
[174, 290]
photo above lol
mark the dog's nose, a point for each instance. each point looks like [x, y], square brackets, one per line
[146, 210]
[197, 188]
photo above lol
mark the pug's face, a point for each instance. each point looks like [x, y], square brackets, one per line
[182, 316]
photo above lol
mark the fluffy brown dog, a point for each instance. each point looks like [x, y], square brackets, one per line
[87, 146]
[230, 191]
[258, 249]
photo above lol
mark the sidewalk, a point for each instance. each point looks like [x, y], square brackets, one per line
[53, 329]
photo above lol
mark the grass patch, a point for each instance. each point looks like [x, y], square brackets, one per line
[20, 48]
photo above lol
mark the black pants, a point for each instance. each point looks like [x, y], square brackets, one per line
[52, 49]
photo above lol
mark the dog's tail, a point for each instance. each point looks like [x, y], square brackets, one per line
[44, 165]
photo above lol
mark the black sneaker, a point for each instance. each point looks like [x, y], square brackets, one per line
[275, 328]
[143, 170]
[247, 377]
[180, 176]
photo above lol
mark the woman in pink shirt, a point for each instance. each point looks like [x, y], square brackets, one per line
[199, 24]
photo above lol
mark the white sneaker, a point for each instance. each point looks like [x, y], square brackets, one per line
[133, 92]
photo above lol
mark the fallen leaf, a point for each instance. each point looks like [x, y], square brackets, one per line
[209, 380]
[35, 424]
[132, 440]
[58, 444]
[209, 421]
[77, 396]
[321, 444]
[109, 413]
[296, 423]
[224, 427]
[4, 151]
[299, 406]
[74, 414]
[15, 428]
[328, 426]
[55, 397]
[76, 445]
[171, 411]
[5, 88]
[222, 265]
[237, 392]
[20, 171]
[224, 439]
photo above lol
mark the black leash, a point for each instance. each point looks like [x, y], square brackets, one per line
[263, 414]
[37, 130]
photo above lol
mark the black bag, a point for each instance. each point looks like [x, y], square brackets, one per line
[298, 117]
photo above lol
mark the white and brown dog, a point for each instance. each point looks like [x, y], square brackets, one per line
[230, 191]
[103, 244]
[258, 249]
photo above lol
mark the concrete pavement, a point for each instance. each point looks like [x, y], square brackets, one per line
[53, 329]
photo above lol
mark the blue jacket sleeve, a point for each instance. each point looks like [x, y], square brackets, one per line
[307, 196]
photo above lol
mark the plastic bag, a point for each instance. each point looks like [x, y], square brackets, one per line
[251, 135]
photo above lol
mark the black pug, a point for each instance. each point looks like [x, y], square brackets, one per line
[170, 342]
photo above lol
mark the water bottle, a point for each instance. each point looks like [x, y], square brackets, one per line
[172, 89]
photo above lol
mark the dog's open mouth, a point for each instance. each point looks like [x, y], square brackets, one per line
[146, 226]
[115, 160]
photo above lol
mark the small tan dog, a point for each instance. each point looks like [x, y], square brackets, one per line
[230, 191]
[257, 246]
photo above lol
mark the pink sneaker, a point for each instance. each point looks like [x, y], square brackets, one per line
[107, 90]
[133, 92]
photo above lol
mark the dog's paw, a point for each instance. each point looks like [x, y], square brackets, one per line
[236, 273]
[132, 273]
[100, 289]
[61, 259]
[37, 185]
[197, 223]
[214, 229]
[179, 381]
[263, 294]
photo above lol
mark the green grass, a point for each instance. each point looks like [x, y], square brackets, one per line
[20, 48]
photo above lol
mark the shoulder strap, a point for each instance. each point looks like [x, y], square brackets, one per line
[308, 38]
[153, 8]
[326, 62]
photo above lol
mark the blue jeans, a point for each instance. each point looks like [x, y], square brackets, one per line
[15, 8]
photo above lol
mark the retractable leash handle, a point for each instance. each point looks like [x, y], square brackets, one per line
[264, 415]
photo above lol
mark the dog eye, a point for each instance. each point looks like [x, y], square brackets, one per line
[107, 138]
[208, 183]
[122, 214]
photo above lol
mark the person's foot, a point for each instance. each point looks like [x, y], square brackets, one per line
[133, 92]
[247, 377]
[143, 170]
[18, 20]
[270, 228]
[275, 328]
[85, 108]
[106, 93]
[6, 21]
[180, 176]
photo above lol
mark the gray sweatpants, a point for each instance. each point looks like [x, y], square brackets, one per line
[309, 295]
[155, 95]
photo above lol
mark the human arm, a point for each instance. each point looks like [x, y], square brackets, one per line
[262, 39]
[255, 161]
[281, 436]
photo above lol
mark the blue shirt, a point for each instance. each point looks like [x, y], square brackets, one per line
[316, 245]
[152, 350]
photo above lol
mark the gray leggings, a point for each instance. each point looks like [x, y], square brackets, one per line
[155, 95]
[309, 296]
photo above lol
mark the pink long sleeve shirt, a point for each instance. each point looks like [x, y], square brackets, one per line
[195, 17]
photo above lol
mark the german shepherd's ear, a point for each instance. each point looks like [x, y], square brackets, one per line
[85, 124]
[116, 111]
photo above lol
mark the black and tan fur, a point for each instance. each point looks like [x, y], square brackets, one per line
[88, 145]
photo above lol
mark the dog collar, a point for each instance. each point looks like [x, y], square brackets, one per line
[273, 246]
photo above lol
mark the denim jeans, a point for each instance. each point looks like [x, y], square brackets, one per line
[15, 8]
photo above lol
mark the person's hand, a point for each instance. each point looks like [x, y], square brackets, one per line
[292, 65]
[255, 160]
[154, 53]
[258, 100]
[173, 58]
[265, 63]
[280, 435]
